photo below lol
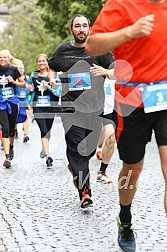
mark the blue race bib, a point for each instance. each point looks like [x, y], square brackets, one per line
[43, 101]
[155, 97]
[6, 92]
[22, 94]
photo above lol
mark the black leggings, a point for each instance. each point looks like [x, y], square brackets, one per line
[45, 125]
[8, 121]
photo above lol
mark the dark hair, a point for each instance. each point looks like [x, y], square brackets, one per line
[78, 15]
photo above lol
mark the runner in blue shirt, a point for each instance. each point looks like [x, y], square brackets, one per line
[23, 98]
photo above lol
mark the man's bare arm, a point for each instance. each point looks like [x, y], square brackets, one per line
[102, 43]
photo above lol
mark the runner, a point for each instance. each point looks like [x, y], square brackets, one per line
[45, 104]
[105, 148]
[134, 31]
[84, 101]
[8, 103]
[23, 98]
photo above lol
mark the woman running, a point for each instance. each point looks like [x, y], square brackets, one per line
[45, 104]
[8, 103]
[23, 98]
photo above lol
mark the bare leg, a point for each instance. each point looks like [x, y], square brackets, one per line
[101, 138]
[107, 152]
[45, 145]
[109, 141]
[5, 142]
[26, 125]
[128, 179]
[11, 140]
[163, 157]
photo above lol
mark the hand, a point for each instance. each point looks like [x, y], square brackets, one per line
[46, 84]
[55, 83]
[30, 88]
[52, 81]
[96, 70]
[143, 27]
[11, 80]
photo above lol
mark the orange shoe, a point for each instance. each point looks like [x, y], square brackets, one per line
[86, 200]
[99, 155]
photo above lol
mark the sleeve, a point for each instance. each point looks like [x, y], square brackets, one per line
[106, 60]
[110, 18]
[31, 78]
[31, 94]
[16, 73]
[57, 91]
[54, 59]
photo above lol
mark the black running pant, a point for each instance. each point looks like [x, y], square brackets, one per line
[8, 121]
[82, 135]
[45, 125]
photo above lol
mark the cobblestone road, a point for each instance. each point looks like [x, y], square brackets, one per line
[40, 211]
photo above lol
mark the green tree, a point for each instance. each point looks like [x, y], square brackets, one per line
[57, 14]
[40, 26]
[25, 35]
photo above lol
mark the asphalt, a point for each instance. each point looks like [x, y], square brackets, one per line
[40, 209]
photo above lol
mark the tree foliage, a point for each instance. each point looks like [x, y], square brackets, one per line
[40, 25]
[57, 14]
[25, 35]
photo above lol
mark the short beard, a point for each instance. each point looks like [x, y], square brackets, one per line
[80, 41]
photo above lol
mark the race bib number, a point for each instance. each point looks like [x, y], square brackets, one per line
[7, 92]
[155, 98]
[21, 94]
[43, 101]
[79, 81]
[109, 89]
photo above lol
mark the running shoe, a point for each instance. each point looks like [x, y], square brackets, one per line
[26, 138]
[99, 155]
[102, 177]
[86, 200]
[11, 154]
[49, 161]
[7, 163]
[126, 239]
[42, 153]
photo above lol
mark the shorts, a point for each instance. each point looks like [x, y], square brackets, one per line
[134, 130]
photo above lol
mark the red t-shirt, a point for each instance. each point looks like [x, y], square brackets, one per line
[147, 55]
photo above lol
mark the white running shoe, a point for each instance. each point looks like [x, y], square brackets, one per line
[102, 177]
